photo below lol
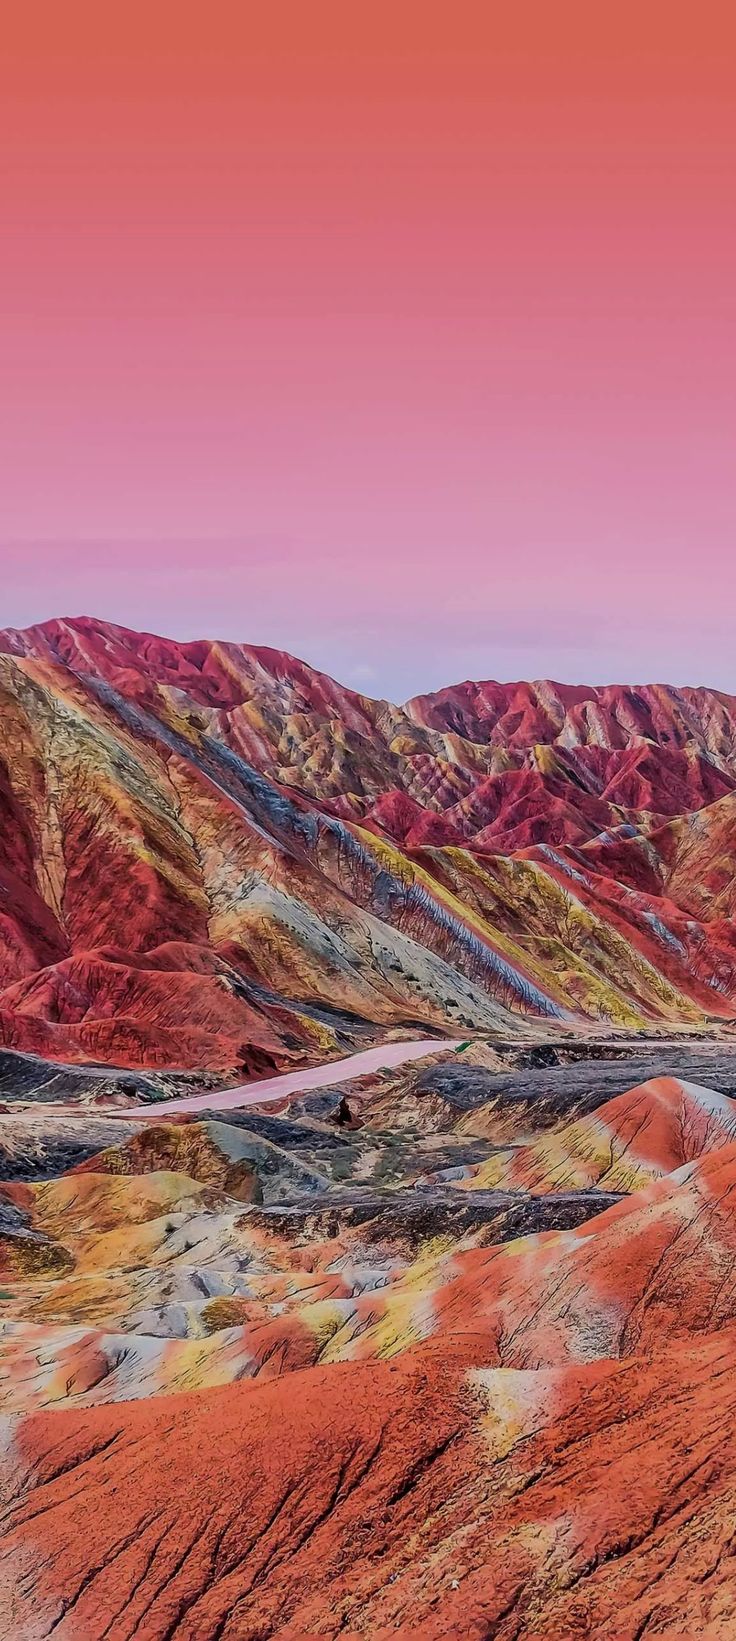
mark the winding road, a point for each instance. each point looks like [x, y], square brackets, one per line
[385, 1057]
[298, 1082]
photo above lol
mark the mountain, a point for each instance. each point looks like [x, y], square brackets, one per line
[216, 858]
[440, 1350]
[231, 1412]
[622, 1145]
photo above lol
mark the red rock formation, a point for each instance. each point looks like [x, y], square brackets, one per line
[525, 1440]
[637, 1137]
[410, 1497]
[490, 851]
[214, 857]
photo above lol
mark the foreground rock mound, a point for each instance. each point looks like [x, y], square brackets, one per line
[426, 1496]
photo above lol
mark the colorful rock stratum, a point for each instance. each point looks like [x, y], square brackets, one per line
[444, 1350]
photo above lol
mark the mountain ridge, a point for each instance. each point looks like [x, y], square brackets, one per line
[208, 845]
[447, 1350]
[581, 691]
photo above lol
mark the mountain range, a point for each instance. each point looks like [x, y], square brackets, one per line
[436, 1340]
[216, 858]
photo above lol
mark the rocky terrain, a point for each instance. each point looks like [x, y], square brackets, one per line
[214, 858]
[444, 1349]
[392, 1356]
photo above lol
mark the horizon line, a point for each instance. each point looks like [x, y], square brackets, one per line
[459, 683]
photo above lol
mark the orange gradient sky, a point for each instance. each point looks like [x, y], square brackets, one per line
[400, 336]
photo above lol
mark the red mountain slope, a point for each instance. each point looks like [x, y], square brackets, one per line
[417, 1496]
[350, 1431]
[637, 1137]
[279, 1375]
[331, 867]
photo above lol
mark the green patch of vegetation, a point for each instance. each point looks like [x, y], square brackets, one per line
[387, 1168]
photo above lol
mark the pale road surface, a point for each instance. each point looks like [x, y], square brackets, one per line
[298, 1082]
[271, 1088]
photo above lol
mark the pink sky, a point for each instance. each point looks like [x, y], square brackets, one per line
[401, 337]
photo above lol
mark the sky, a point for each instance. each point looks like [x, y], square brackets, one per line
[401, 336]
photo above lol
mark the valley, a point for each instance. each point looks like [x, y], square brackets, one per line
[367, 1153]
